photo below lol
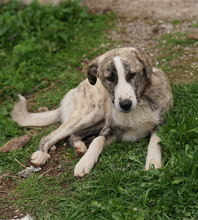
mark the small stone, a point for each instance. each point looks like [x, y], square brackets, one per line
[59, 168]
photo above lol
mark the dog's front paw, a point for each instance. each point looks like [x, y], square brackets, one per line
[151, 161]
[83, 167]
[39, 158]
[80, 148]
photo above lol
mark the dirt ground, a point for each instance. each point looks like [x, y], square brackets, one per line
[141, 22]
[142, 19]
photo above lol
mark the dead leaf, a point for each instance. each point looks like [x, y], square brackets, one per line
[15, 143]
[43, 109]
[192, 36]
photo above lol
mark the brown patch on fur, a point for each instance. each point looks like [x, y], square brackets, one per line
[147, 72]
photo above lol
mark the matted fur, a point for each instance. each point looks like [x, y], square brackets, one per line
[123, 98]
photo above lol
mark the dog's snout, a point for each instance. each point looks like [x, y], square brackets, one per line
[125, 104]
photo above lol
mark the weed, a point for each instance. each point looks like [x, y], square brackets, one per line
[176, 22]
[194, 24]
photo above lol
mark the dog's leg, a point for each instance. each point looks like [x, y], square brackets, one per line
[75, 140]
[154, 153]
[81, 108]
[86, 163]
[65, 130]
[40, 157]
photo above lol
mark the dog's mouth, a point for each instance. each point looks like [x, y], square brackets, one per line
[124, 111]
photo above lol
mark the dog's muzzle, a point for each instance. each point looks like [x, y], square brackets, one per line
[126, 105]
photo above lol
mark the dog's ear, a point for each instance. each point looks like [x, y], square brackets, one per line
[145, 60]
[92, 73]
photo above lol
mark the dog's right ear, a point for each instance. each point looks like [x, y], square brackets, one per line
[92, 73]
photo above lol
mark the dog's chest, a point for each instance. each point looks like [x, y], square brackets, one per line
[135, 118]
[136, 124]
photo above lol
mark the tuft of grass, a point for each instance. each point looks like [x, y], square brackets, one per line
[176, 22]
[194, 24]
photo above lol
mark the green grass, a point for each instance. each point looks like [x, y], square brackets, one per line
[118, 187]
[173, 45]
[194, 24]
[176, 22]
[174, 58]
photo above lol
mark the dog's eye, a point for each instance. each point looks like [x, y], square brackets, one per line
[110, 78]
[131, 75]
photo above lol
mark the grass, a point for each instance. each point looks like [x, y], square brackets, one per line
[118, 187]
[178, 57]
[174, 45]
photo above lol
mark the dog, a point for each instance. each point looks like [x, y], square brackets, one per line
[122, 98]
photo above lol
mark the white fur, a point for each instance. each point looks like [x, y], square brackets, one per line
[86, 163]
[27, 217]
[39, 157]
[123, 89]
[154, 153]
[134, 120]
[25, 118]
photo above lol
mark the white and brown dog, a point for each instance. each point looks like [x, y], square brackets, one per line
[123, 98]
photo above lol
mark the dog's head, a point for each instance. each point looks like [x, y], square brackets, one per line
[125, 73]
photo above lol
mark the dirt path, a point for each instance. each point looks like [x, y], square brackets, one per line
[153, 9]
[141, 21]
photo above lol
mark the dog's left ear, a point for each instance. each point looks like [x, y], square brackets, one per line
[145, 60]
[92, 73]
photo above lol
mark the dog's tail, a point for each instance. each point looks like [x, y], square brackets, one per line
[21, 115]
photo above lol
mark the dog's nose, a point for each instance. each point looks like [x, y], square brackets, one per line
[125, 104]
